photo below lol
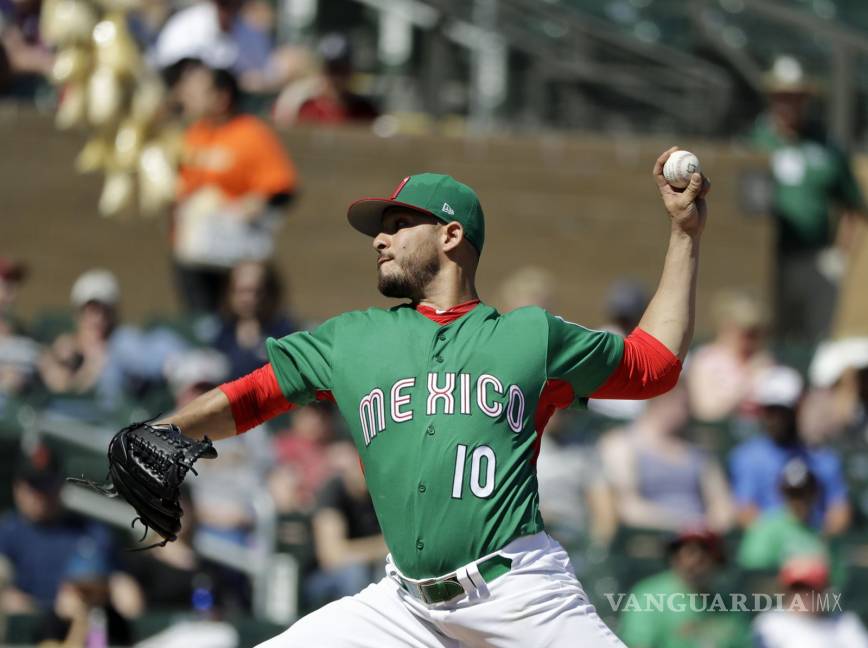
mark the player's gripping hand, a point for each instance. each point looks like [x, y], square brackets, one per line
[147, 465]
[686, 207]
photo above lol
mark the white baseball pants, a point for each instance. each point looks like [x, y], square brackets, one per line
[538, 603]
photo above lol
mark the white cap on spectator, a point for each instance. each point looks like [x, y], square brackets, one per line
[195, 367]
[833, 358]
[97, 285]
[781, 386]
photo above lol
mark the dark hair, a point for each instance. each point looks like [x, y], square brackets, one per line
[40, 468]
[224, 81]
[5, 68]
[172, 73]
[272, 292]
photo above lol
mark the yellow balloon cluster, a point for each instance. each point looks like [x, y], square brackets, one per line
[107, 90]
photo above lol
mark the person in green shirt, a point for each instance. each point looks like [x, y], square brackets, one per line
[783, 533]
[676, 608]
[813, 189]
[445, 400]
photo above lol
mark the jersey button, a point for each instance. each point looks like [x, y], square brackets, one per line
[422, 488]
[442, 337]
[420, 545]
[430, 430]
[438, 358]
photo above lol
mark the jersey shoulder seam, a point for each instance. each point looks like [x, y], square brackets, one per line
[545, 316]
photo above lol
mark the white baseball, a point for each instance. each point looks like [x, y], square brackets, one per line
[679, 167]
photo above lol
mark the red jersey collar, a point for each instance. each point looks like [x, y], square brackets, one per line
[447, 316]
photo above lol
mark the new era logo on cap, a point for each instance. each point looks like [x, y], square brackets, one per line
[447, 209]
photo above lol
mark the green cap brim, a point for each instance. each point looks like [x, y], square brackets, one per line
[366, 214]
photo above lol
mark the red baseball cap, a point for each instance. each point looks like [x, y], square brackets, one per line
[705, 537]
[810, 570]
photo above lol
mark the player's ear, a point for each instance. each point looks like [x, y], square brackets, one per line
[453, 234]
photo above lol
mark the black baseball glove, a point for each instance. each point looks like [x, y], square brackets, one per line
[147, 465]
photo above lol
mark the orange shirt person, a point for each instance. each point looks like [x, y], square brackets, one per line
[235, 178]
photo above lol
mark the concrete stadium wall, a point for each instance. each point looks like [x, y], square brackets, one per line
[583, 207]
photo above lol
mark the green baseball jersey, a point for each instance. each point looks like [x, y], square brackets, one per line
[445, 417]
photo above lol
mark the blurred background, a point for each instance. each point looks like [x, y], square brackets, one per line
[173, 184]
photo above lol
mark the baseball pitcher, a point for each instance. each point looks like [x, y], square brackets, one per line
[446, 400]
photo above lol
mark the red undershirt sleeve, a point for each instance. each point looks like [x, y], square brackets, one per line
[255, 398]
[647, 369]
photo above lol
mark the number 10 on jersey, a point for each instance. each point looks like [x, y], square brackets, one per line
[482, 464]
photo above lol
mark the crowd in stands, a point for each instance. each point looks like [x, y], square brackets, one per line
[723, 469]
[294, 84]
[742, 468]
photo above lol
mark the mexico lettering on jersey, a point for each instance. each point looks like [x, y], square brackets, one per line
[446, 418]
[485, 396]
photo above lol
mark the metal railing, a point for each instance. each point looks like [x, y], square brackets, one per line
[843, 42]
[590, 65]
[569, 47]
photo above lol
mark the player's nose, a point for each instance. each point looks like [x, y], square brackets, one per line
[381, 241]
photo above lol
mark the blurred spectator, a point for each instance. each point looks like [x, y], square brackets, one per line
[294, 532]
[218, 33]
[527, 286]
[236, 181]
[83, 613]
[720, 373]
[19, 355]
[6, 577]
[6, 77]
[626, 300]
[12, 275]
[808, 617]
[694, 559]
[346, 534]
[838, 406]
[325, 96]
[812, 177]
[252, 313]
[575, 499]
[22, 52]
[39, 538]
[303, 448]
[146, 21]
[175, 577]
[782, 533]
[756, 464]
[102, 356]
[661, 480]
[194, 372]
[226, 489]
[859, 421]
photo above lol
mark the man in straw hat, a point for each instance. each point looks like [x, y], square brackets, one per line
[812, 181]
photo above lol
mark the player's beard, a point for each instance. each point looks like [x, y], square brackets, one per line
[412, 276]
